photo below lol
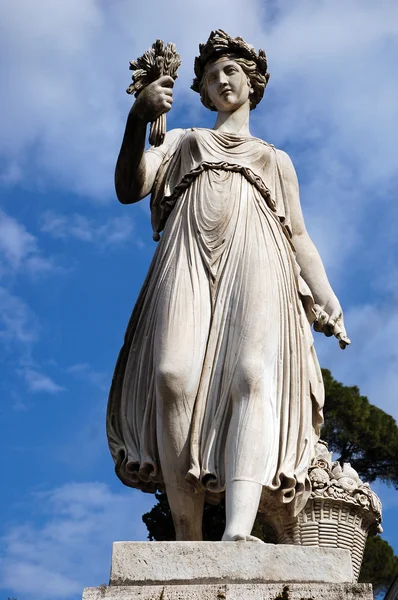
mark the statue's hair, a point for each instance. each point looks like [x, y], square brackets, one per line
[252, 63]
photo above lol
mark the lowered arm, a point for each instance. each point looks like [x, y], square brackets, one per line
[309, 260]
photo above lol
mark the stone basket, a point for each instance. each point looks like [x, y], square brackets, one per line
[331, 524]
[340, 513]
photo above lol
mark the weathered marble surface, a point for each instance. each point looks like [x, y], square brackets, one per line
[169, 563]
[272, 591]
[217, 386]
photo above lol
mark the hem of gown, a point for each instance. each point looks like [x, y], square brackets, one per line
[135, 475]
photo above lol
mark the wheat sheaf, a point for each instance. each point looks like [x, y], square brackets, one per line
[156, 62]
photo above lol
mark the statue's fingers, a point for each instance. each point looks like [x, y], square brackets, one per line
[166, 81]
[335, 317]
[328, 330]
[338, 327]
[323, 317]
[317, 327]
[344, 341]
[166, 107]
[341, 333]
[330, 325]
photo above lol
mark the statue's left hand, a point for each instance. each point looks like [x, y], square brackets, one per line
[330, 321]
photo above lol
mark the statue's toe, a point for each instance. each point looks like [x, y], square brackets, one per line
[241, 537]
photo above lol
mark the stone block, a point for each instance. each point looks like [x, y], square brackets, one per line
[259, 591]
[190, 563]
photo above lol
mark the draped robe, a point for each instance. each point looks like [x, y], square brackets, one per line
[222, 201]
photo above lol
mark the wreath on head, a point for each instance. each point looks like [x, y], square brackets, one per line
[220, 43]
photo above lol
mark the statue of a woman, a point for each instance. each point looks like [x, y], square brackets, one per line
[217, 387]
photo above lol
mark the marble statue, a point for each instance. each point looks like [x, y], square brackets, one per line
[217, 388]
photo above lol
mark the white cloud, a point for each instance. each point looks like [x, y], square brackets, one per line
[76, 75]
[114, 231]
[331, 102]
[40, 382]
[17, 322]
[19, 249]
[331, 94]
[39, 265]
[85, 372]
[71, 549]
[15, 241]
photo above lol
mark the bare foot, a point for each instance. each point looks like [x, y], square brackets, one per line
[241, 537]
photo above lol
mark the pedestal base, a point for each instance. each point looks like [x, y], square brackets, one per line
[256, 591]
[228, 571]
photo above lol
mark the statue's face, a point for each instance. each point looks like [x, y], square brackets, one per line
[227, 85]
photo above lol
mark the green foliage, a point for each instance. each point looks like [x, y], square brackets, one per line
[359, 432]
[159, 521]
[380, 565]
[160, 526]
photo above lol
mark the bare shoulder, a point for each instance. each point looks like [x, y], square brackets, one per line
[155, 155]
[283, 158]
[286, 166]
[154, 158]
[173, 135]
[170, 138]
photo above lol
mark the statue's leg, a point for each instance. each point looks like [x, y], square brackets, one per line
[187, 512]
[182, 330]
[175, 404]
[176, 394]
[242, 499]
[252, 446]
[245, 452]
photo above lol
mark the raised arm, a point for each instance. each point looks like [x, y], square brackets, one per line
[136, 171]
[330, 315]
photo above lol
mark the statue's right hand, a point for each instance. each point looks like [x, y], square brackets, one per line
[154, 100]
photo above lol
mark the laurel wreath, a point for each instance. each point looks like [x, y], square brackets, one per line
[220, 42]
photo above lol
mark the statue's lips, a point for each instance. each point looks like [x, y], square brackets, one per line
[225, 92]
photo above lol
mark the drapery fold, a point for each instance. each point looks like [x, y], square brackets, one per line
[225, 254]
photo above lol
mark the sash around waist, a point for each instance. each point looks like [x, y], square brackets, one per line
[167, 203]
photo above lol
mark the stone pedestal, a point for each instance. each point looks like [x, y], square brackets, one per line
[228, 571]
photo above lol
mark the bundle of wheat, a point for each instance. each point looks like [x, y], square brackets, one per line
[156, 62]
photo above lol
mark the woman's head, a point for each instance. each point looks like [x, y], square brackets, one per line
[253, 79]
[221, 45]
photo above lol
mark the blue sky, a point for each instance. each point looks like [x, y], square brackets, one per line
[72, 259]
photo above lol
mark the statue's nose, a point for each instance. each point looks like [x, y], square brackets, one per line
[223, 80]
